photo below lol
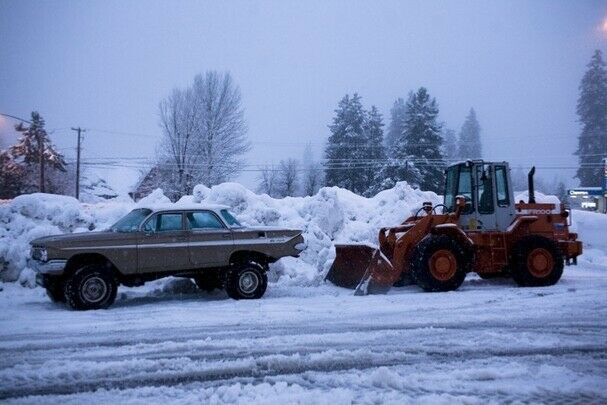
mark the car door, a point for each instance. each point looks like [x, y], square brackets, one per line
[210, 240]
[163, 244]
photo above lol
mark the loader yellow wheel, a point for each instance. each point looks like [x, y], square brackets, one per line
[443, 265]
[438, 263]
[540, 262]
[536, 261]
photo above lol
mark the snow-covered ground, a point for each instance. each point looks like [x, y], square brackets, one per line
[306, 341]
[488, 342]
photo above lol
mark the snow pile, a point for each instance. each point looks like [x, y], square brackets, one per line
[32, 216]
[331, 216]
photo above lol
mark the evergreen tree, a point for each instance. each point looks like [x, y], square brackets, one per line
[470, 138]
[35, 151]
[375, 156]
[422, 143]
[12, 176]
[592, 112]
[450, 146]
[346, 146]
[398, 115]
[561, 192]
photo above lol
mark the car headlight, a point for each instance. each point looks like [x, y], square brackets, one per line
[39, 253]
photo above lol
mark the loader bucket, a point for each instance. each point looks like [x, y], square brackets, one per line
[363, 268]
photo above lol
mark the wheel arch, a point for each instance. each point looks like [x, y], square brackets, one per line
[82, 259]
[244, 256]
[458, 235]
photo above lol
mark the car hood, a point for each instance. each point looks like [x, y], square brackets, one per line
[74, 239]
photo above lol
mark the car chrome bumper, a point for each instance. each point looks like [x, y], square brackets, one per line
[52, 267]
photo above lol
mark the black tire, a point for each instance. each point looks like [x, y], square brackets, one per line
[208, 281]
[447, 250]
[54, 290]
[546, 255]
[91, 287]
[246, 281]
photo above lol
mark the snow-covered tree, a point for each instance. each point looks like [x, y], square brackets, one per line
[450, 146]
[36, 153]
[421, 145]
[287, 179]
[312, 172]
[346, 148]
[398, 115]
[267, 181]
[12, 176]
[592, 112]
[376, 155]
[204, 133]
[470, 138]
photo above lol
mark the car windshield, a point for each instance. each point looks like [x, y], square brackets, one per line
[132, 220]
[230, 219]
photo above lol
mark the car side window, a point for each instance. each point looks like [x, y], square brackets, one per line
[164, 223]
[203, 220]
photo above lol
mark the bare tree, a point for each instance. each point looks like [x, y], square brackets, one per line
[287, 177]
[222, 130]
[204, 134]
[267, 181]
[312, 172]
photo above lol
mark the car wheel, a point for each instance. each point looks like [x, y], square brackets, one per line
[246, 281]
[91, 287]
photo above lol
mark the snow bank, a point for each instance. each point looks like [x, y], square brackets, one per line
[331, 216]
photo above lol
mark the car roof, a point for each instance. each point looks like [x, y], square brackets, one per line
[184, 207]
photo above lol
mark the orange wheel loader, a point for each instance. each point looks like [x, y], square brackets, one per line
[478, 228]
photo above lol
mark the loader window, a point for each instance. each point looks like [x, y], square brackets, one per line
[501, 182]
[451, 189]
[464, 187]
[485, 189]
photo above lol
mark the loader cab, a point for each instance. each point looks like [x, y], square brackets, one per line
[485, 186]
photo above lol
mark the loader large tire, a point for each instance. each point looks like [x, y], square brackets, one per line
[536, 262]
[438, 264]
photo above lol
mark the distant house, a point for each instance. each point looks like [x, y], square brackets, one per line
[148, 183]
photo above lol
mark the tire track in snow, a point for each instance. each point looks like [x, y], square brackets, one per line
[266, 363]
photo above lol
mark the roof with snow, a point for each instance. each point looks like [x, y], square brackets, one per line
[183, 206]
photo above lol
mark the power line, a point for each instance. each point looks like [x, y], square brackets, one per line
[17, 118]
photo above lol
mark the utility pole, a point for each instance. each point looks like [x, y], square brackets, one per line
[79, 130]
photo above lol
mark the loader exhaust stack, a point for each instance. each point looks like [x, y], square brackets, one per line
[531, 185]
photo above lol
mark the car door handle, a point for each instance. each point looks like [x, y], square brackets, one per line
[226, 236]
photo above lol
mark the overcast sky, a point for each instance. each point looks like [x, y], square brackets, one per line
[105, 65]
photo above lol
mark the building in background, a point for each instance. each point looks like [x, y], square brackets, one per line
[591, 198]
